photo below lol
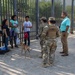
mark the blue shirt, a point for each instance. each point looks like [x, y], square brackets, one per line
[66, 22]
[14, 23]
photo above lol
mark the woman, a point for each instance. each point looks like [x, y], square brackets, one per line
[6, 32]
[13, 34]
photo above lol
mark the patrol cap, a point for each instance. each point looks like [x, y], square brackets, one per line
[52, 20]
[44, 19]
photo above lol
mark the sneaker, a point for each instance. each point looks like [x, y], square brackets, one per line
[16, 46]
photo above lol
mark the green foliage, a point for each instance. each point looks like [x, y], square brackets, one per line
[68, 9]
[28, 7]
[58, 9]
[45, 8]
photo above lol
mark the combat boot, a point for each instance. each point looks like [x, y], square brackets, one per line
[45, 65]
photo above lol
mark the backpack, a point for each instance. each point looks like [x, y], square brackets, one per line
[3, 50]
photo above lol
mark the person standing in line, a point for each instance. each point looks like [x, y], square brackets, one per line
[42, 39]
[6, 33]
[27, 25]
[13, 34]
[65, 30]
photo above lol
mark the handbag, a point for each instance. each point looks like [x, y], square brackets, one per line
[17, 30]
[18, 41]
[25, 35]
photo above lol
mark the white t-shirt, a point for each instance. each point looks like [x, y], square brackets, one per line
[27, 23]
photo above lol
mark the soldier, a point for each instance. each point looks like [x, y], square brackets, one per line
[50, 33]
[41, 27]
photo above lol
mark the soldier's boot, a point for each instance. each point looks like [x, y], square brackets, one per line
[45, 65]
[50, 61]
[41, 56]
[50, 64]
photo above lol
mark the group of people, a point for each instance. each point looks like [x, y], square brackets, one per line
[9, 34]
[10, 30]
[48, 33]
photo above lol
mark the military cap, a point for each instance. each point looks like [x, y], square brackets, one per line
[52, 20]
[44, 19]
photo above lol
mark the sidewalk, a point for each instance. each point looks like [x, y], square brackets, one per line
[13, 63]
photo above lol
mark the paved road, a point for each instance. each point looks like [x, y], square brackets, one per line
[13, 63]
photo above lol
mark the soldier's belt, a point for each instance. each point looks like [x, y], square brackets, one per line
[51, 38]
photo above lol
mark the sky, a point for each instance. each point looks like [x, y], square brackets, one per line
[68, 2]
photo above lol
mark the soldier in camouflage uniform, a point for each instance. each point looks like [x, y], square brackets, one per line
[42, 39]
[50, 33]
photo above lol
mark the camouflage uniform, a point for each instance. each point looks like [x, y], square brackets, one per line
[50, 33]
[42, 39]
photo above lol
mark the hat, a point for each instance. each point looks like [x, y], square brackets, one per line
[44, 19]
[52, 20]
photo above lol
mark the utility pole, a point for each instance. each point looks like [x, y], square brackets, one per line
[63, 5]
[1, 10]
[72, 16]
[15, 7]
[37, 17]
[52, 13]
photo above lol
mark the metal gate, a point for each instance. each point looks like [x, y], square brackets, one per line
[21, 8]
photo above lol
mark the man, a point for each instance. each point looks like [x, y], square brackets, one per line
[51, 32]
[41, 27]
[65, 30]
[26, 26]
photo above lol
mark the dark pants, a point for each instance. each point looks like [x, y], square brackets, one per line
[13, 37]
[25, 40]
[6, 43]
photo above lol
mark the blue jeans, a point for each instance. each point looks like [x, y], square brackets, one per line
[13, 36]
[25, 40]
[6, 43]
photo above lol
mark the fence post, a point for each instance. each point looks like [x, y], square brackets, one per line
[0, 10]
[72, 16]
[15, 6]
[37, 17]
[63, 5]
[0, 23]
[52, 13]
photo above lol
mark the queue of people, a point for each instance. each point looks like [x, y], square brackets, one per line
[13, 34]
[10, 32]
